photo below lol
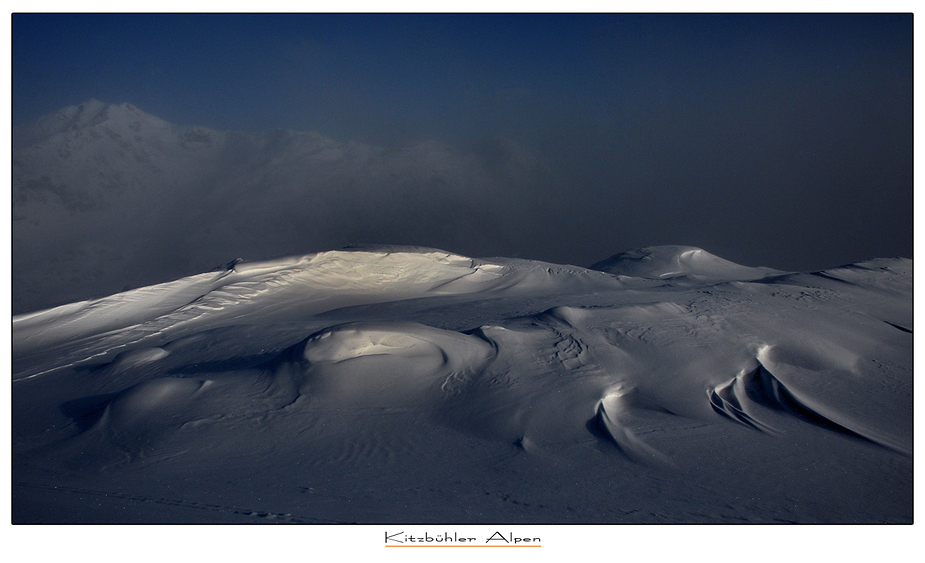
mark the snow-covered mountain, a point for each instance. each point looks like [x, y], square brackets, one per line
[664, 262]
[106, 198]
[414, 385]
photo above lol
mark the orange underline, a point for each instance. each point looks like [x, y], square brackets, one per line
[464, 546]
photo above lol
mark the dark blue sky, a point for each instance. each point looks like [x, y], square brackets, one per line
[779, 140]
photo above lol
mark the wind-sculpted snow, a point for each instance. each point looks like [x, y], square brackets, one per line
[403, 384]
[389, 364]
[283, 288]
[615, 416]
[751, 395]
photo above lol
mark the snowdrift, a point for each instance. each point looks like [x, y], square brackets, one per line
[413, 385]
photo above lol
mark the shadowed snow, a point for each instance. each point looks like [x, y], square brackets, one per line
[672, 386]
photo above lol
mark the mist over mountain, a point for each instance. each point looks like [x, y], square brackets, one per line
[107, 197]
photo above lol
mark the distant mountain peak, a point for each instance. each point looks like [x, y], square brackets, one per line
[87, 115]
[670, 261]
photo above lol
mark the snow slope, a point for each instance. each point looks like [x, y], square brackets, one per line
[412, 385]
